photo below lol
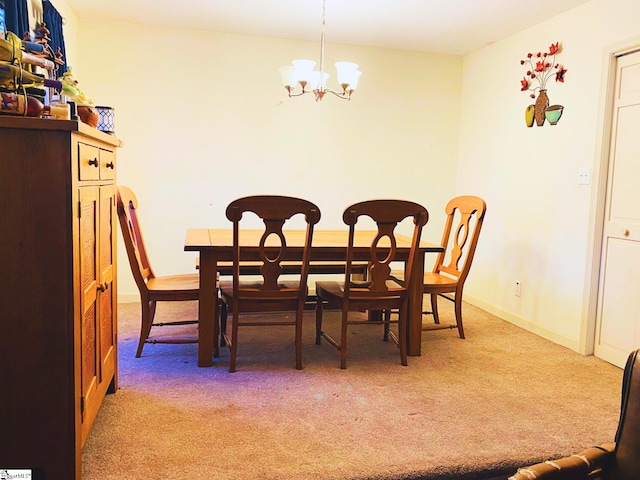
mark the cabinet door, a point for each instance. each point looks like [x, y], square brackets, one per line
[106, 286]
[88, 244]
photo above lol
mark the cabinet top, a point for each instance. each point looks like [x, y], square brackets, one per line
[30, 123]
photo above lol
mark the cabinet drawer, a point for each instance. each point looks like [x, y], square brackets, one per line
[107, 165]
[89, 162]
[96, 163]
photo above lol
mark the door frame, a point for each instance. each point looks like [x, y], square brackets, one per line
[599, 195]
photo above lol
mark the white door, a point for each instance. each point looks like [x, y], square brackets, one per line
[618, 314]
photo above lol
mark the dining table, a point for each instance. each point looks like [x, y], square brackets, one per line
[215, 246]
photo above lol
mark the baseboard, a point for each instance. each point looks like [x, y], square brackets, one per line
[128, 298]
[525, 324]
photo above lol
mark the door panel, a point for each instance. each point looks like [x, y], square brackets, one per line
[618, 315]
[89, 281]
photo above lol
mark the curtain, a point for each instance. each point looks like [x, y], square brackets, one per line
[17, 16]
[53, 20]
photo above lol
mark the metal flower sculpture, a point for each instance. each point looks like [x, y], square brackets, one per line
[541, 67]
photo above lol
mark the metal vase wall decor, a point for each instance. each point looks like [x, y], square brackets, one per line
[541, 67]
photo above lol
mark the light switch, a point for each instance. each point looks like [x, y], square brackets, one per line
[584, 176]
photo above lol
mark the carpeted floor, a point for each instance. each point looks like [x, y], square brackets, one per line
[472, 408]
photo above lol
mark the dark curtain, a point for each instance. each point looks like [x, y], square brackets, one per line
[53, 20]
[17, 16]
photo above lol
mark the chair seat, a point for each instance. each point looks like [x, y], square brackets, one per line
[430, 280]
[287, 290]
[186, 285]
[336, 289]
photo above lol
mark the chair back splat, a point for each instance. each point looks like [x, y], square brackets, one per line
[270, 294]
[377, 293]
[152, 289]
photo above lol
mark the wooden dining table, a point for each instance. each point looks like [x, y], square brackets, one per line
[216, 245]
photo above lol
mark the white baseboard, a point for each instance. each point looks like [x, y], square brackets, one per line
[525, 324]
[128, 298]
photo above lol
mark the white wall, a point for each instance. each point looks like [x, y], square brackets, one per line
[537, 228]
[204, 119]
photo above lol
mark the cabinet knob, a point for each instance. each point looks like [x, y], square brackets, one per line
[94, 162]
[110, 165]
[102, 287]
[625, 232]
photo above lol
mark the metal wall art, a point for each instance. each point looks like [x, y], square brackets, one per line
[541, 67]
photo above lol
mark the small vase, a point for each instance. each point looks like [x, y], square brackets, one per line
[528, 115]
[542, 102]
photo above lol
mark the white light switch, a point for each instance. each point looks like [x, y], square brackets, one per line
[584, 176]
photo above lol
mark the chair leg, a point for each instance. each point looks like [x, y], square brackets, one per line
[148, 312]
[216, 333]
[343, 339]
[299, 315]
[402, 335]
[458, 310]
[434, 308]
[318, 320]
[223, 323]
[234, 343]
[387, 319]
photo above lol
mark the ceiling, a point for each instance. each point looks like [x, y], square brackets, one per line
[456, 27]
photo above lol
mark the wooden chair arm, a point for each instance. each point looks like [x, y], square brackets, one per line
[588, 464]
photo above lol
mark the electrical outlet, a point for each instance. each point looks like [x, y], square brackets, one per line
[518, 289]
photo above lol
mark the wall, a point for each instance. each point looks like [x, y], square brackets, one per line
[540, 226]
[205, 119]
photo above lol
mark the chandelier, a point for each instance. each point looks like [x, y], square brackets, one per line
[301, 74]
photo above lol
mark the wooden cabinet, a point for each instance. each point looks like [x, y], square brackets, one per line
[58, 325]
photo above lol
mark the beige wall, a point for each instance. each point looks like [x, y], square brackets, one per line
[205, 120]
[540, 223]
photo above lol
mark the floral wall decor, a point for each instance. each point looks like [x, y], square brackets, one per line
[541, 67]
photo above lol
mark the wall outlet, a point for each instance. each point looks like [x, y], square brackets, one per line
[518, 288]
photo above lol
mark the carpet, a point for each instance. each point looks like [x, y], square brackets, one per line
[465, 409]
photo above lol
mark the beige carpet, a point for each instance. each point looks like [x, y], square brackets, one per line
[470, 408]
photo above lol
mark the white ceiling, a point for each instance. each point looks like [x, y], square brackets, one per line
[453, 27]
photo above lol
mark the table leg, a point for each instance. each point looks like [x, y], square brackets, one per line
[207, 310]
[414, 332]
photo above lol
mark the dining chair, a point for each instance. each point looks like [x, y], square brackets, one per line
[453, 264]
[152, 288]
[268, 294]
[377, 292]
[617, 460]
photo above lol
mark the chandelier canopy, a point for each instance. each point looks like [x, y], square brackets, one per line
[301, 78]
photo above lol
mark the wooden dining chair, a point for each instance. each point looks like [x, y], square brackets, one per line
[153, 289]
[377, 293]
[452, 266]
[269, 293]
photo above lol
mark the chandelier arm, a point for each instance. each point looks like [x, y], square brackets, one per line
[298, 94]
[338, 94]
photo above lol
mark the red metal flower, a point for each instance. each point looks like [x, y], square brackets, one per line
[541, 66]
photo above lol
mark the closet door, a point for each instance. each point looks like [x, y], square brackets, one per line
[618, 315]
